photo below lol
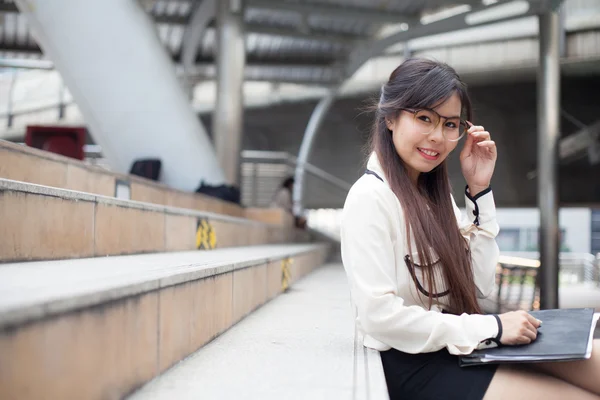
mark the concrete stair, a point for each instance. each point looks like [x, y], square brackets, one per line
[27, 164]
[41, 223]
[299, 346]
[99, 295]
[100, 328]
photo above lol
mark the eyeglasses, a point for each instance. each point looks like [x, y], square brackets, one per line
[426, 121]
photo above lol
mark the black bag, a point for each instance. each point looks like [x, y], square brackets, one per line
[146, 168]
[223, 192]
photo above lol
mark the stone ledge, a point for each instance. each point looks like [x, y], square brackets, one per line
[49, 156]
[44, 223]
[19, 148]
[63, 166]
[31, 188]
[110, 349]
[37, 290]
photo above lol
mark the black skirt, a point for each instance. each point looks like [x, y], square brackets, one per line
[433, 376]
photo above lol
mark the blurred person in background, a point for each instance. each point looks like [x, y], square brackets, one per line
[283, 199]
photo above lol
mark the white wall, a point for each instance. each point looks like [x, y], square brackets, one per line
[575, 221]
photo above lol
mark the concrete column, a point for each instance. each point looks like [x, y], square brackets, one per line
[228, 114]
[548, 109]
[124, 82]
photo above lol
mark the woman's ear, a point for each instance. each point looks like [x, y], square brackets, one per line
[389, 124]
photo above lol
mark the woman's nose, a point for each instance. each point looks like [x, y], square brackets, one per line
[437, 135]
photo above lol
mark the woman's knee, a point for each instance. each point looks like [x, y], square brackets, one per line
[517, 383]
[584, 373]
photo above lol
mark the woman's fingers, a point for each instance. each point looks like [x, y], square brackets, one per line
[520, 328]
[467, 147]
[529, 327]
[533, 321]
[524, 340]
[489, 146]
[481, 135]
[474, 128]
[478, 135]
[526, 337]
[530, 331]
[482, 138]
[487, 143]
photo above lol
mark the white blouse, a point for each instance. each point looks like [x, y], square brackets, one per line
[390, 310]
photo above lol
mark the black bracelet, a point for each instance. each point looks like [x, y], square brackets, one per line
[499, 335]
[478, 195]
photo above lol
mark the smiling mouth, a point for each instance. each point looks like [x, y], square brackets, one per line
[429, 154]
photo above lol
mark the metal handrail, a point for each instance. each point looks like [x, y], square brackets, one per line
[515, 268]
[53, 106]
[257, 155]
[267, 155]
[326, 176]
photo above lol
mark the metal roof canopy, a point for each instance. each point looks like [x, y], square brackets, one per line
[319, 36]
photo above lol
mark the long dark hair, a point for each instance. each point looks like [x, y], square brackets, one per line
[428, 210]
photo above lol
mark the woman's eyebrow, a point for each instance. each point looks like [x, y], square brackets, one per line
[443, 116]
[453, 117]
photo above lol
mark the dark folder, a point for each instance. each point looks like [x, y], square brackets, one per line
[565, 335]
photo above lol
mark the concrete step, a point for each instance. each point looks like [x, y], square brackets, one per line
[100, 328]
[299, 346]
[31, 165]
[42, 223]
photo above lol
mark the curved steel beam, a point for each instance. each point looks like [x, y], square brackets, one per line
[204, 13]
[316, 119]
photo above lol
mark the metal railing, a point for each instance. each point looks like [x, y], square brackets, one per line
[517, 278]
[263, 172]
[56, 105]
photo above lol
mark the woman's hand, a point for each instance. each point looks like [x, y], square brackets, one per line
[518, 327]
[478, 159]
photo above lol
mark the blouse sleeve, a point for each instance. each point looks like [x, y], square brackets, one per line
[369, 260]
[480, 228]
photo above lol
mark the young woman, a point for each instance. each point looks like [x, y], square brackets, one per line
[283, 199]
[416, 267]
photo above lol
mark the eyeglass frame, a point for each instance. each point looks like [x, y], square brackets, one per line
[414, 112]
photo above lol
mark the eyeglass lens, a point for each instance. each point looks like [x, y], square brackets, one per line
[426, 121]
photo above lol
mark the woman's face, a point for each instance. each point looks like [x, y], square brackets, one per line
[421, 152]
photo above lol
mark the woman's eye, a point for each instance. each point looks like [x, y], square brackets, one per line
[451, 125]
[424, 118]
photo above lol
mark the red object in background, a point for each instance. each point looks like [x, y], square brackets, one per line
[65, 140]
